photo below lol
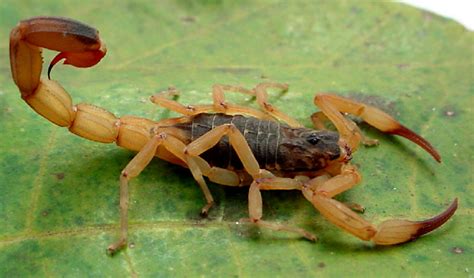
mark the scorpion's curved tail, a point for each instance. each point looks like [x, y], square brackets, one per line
[80, 46]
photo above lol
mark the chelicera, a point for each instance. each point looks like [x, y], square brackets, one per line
[229, 144]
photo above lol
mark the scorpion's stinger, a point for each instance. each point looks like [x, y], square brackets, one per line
[56, 59]
[78, 59]
[77, 42]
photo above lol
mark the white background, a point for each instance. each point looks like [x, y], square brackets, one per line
[459, 10]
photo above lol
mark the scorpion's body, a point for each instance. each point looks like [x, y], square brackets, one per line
[276, 146]
[217, 141]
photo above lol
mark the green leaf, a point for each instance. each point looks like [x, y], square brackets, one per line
[59, 192]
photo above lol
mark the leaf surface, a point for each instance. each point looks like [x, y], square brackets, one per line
[59, 193]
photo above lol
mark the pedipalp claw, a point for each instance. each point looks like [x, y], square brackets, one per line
[417, 139]
[332, 106]
[397, 231]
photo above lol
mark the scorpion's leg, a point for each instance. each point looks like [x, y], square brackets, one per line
[260, 91]
[344, 182]
[262, 96]
[199, 167]
[319, 119]
[211, 138]
[216, 174]
[255, 203]
[332, 106]
[143, 158]
[162, 99]
[133, 169]
[389, 232]
[240, 145]
[236, 140]
[177, 148]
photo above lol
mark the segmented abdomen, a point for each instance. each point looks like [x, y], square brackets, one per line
[261, 135]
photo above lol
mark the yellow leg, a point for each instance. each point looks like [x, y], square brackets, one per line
[200, 168]
[196, 164]
[262, 100]
[210, 139]
[260, 92]
[218, 98]
[348, 178]
[319, 119]
[221, 106]
[216, 174]
[237, 141]
[262, 180]
[255, 204]
[163, 100]
[133, 169]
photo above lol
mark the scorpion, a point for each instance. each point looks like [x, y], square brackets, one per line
[230, 144]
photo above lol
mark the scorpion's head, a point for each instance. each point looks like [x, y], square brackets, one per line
[308, 150]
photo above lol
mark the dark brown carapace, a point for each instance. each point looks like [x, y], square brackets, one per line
[229, 144]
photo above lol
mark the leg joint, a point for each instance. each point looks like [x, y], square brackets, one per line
[124, 174]
[162, 135]
[231, 127]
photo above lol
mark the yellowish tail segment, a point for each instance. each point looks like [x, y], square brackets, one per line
[80, 46]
